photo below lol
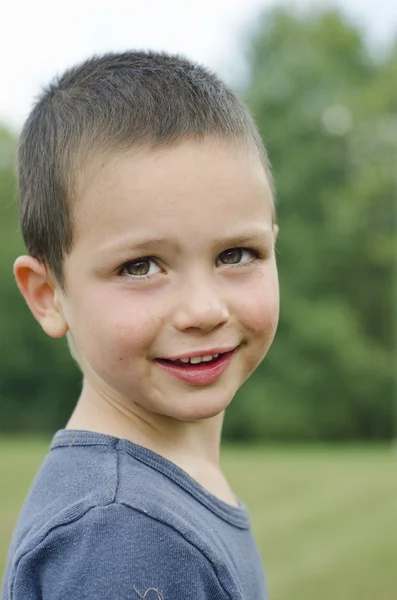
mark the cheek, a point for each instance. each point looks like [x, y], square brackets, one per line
[115, 327]
[260, 308]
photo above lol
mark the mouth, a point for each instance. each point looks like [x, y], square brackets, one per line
[195, 361]
[198, 370]
[197, 358]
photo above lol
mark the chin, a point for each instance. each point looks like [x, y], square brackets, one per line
[194, 416]
[201, 407]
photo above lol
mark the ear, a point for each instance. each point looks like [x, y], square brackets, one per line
[41, 295]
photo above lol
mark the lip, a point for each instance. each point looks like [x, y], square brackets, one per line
[200, 353]
[201, 374]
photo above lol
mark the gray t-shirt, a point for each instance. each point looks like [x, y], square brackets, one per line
[109, 519]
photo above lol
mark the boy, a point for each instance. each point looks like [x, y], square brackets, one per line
[147, 212]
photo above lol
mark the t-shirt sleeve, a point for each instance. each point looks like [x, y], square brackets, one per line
[115, 552]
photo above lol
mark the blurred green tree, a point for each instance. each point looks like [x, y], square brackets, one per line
[38, 380]
[328, 112]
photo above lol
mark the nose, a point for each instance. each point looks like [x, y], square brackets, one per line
[200, 306]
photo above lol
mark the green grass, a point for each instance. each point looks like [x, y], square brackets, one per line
[325, 519]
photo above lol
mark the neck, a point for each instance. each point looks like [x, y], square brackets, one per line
[188, 444]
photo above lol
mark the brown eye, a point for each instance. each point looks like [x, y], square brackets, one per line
[232, 256]
[138, 267]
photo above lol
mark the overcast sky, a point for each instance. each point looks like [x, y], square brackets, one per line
[40, 38]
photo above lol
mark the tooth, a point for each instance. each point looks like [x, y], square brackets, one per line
[195, 360]
[207, 357]
[215, 355]
[184, 360]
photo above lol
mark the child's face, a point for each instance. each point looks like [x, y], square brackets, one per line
[172, 217]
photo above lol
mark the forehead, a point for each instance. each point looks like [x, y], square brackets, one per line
[195, 184]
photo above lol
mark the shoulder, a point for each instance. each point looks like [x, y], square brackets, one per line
[116, 551]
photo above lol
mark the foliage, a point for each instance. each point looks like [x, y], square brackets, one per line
[328, 113]
[38, 381]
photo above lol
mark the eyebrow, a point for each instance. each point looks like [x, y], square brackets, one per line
[158, 244]
[248, 237]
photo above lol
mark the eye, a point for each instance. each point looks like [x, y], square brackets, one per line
[236, 256]
[140, 267]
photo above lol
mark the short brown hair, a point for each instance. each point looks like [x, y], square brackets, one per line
[113, 101]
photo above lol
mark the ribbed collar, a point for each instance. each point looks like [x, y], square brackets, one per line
[237, 516]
